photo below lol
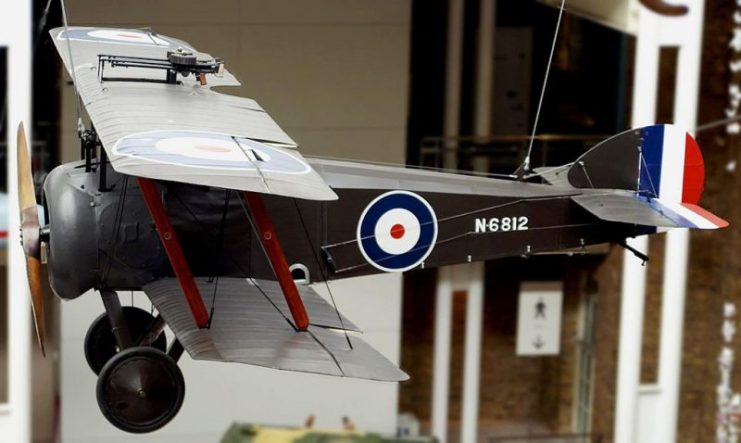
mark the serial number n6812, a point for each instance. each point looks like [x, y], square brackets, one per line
[501, 224]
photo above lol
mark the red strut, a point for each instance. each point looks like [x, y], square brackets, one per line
[174, 251]
[269, 239]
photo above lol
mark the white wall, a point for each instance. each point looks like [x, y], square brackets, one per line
[218, 394]
[334, 75]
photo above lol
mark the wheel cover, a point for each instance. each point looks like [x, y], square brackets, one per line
[140, 389]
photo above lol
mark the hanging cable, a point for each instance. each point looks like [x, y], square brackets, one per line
[78, 101]
[41, 25]
[526, 163]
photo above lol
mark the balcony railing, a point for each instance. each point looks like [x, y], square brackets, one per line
[503, 154]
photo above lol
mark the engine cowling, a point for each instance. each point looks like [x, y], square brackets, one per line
[98, 238]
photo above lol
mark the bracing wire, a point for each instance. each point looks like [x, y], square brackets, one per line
[217, 258]
[110, 256]
[417, 167]
[78, 101]
[526, 163]
[322, 271]
[257, 233]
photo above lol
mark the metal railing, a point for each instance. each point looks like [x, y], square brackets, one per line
[504, 153]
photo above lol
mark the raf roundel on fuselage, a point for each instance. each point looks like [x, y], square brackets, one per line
[397, 231]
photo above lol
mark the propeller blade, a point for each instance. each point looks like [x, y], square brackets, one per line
[33, 268]
[30, 234]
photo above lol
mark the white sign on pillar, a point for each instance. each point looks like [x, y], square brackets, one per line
[539, 318]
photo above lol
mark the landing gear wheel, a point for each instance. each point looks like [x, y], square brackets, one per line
[100, 343]
[140, 389]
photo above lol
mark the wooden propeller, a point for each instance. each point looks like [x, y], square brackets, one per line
[30, 238]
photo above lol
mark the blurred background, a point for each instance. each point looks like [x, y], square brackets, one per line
[451, 84]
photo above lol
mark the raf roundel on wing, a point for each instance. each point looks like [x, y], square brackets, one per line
[397, 231]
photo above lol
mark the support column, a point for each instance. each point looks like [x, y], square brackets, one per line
[444, 295]
[472, 356]
[453, 71]
[475, 271]
[631, 336]
[441, 357]
[677, 241]
[485, 76]
[633, 291]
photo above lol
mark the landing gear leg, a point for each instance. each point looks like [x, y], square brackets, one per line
[101, 343]
[116, 317]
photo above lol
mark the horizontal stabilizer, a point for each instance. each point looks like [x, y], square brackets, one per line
[251, 324]
[629, 208]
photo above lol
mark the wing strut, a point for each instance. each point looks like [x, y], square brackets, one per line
[274, 251]
[174, 251]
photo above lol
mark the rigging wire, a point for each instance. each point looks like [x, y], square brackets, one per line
[419, 167]
[204, 229]
[526, 163]
[322, 271]
[116, 228]
[468, 213]
[257, 233]
[548, 170]
[217, 259]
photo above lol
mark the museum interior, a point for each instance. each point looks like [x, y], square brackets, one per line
[630, 339]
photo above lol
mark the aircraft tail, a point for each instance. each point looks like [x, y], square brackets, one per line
[663, 167]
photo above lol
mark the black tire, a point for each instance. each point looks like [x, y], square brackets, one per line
[140, 389]
[100, 343]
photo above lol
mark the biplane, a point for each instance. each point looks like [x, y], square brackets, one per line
[202, 201]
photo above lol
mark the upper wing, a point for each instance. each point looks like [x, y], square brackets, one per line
[183, 132]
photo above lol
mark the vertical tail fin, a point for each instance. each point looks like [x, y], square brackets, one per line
[660, 161]
[662, 164]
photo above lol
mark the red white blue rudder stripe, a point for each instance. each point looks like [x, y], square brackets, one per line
[397, 231]
[672, 167]
[672, 176]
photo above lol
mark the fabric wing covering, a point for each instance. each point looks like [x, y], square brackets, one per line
[626, 207]
[252, 324]
[184, 132]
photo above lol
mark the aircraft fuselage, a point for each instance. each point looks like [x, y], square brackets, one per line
[106, 239]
